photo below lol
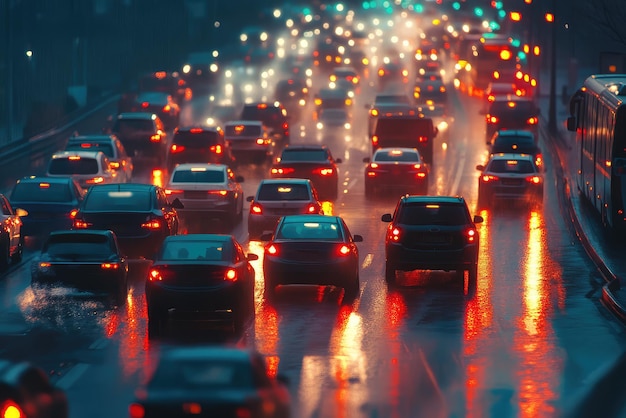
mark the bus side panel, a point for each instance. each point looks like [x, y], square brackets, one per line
[588, 151]
[617, 201]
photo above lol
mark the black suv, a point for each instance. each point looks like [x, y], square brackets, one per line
[199, 145]
[517, 142]
[273, 115]
[431, 233]
[512, 112]
[143, 135]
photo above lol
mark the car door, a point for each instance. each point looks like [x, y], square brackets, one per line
[126, 163]
[11, 223]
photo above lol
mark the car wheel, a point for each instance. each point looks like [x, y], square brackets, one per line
[390, 274]
[5, 256]
[472, 277]
[17, 257]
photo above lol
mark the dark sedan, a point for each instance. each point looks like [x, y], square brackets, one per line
[313, 162]
[312, 250]
[141, 215]
[85, 260]
[212, 382]
[49, 201]
[200, 277]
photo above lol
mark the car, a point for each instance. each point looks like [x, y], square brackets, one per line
[11, 237]
[201, 72]
[273, 115]
[169, 82]
[140, 215]
[498, 91]
[346, 78]
[406, 131]
[249, 140]
[389, 105]
[143, 135]
[111, 146]
[512, 112]
[49, 201]
[293, 93]
[510, 177]
[278, 197]
[337, 98]
[161, 104]
[197, 144]
[314, 162]
[207, 190]
[214, 381]
[86, 260]
[431, 233]
[429, 91]
[200, 277]
[516, 141]
[312, 250]
[392, 72]
[334, 120]
[86, 167]
[397, 170]
[26, 392]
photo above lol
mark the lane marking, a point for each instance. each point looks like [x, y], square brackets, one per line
[72, 376]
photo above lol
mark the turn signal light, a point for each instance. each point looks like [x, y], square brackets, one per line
[155, 138]
[152, 224]
[532, 121]
[231, 275]
[272, 249]
[256, 209]
[176, 148]
[109, 266]
[155, 276]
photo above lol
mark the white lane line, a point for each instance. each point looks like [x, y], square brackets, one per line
[72, 376]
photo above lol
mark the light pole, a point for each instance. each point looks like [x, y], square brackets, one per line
[8, 57]
[550, 17]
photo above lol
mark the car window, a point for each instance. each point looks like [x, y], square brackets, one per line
[197, 139]
[196, 250]
[192, 176]
[78, 246]
[310, 231]
[133, 125]
[69, 166]
[284, 192]
[206, 374]
[511, 166]
[243, 130]
[106, 148]
[41, 192]
[114, 200]
[396, 155]
[303, 155]
[432, 214]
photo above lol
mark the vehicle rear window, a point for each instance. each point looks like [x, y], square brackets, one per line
[133, 125]
[514, 144]
[265, 114]
[433, 214]
[310, 231]
[69, 166]
[107, 149]
[303, 155]
[403, 128]
[511, 166]
[41, 192]
[77, 245]
[118, 201]
[284, 192]
[242, 130]
[217, 374]
[396, 156]
[190, 176]
[202, 139]
[516, 107]
[196, 250]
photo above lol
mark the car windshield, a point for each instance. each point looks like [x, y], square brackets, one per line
[196, 250]
[198, 176]
[106, 148]
[242, 130]
[284, 192]
[133, 125]
[118, 201]
[423, 213]
[41, 192]
[316, 230]
[73, 165]
[304, 155]
[396, 155]
[210, 374]
[77, 246]
[511, 166]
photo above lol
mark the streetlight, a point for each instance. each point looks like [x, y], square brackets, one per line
[552, 104]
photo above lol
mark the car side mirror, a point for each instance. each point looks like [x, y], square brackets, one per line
[252, 257]
[357, 238]
[249, 198]
[21, 212]
[478, 219]
[386, 217]
[480, 167]
[367, 160]
[177, 204]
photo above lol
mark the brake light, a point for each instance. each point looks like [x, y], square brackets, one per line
[381, 72]
[176, 148]
[155, 276]
[80, 224]
[343, 250]
[422, 139]
[491, 98]
[323, 171]
[11, 410]
[155, 138]
[74, 157]
[394, 233]
[95, 180]
[272, 249]
[285, 125]
[256, 209]
[195, 130]
[216, 149]
[85, 145]
[145, 104]
[114, 164]
[312, 208]
[534, 179]
[218, 192]
[152, 224]
[261, 141]
[136, 411]
[492, 119]
[167, 108]
[242, 412]
[533, 120]
[375, 140]
[192, 408]
[374, 112]
[231, 275]
[44, 264]
[282, 170]
[487, 178]
[470, 235]
[109, 266]
[172, 191]
[539, 160]
[73, 213]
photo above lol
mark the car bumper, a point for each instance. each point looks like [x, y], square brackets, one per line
[329, 272]
[407, 259]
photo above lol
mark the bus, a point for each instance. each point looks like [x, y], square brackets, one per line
[598, 116]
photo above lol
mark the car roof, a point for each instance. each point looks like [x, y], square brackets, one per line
[433, 199]
[185, 129]
[124, 186]
[92, 138]
[200, 237]
[311, 218]
[81, 154]
[289, 180]
[244, 122]
[104, 232]
[152, 95]
[267, 105]
[304, 147]
[388, 149]
[206, 353]
[201, 166]
[137, 115]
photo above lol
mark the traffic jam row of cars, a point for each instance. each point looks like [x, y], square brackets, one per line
[95, 218]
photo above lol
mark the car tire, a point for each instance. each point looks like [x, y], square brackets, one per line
[5, 256]
[17, 257]
[390, 274]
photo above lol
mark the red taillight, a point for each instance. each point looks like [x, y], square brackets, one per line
[218, 192]
[394, 233]
[155, 276]
[282, 170]
[230, 275]
[491, 98]
[492, 119]
[256, 209]
[11, 410]
[176, 148]
[313, 208]
[323, 171]
[192, 408]
[343, 250]
[271, 249]
[145, 104]
[95, 180]
[73, 213]
[285, 125]
[532, 121]
[136, 410]
[80, 224]
[539, 160]
[422, 139]
[533, 179]
[155, 138]
[172, 191]
[375, 140]
[114, 164]
[216, 149]
[152, 224]
[471, 235]
[260, 141]
[109, 266]
[243, 412]
[487, 178]
[167, 108]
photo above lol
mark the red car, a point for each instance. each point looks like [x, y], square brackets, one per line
[399, 170]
